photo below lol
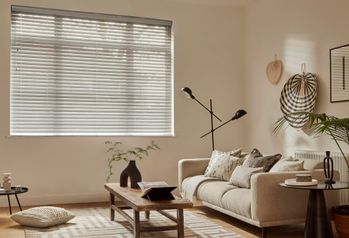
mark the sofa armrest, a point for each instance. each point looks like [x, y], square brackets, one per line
[191, 167]
[272, 203]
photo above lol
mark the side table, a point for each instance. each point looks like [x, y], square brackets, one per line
[13, 191]
[318, 222]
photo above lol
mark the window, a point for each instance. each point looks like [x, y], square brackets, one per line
[87, 74]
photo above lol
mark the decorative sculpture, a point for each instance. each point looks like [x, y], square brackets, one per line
[328, 169]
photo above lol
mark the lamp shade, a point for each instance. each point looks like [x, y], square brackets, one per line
[187, 91]
[238, 114]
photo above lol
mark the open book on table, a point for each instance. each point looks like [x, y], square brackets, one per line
[156, 191]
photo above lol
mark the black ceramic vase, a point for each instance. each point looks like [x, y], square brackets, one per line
[132, 172]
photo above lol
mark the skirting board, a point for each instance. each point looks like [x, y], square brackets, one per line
[54, 199]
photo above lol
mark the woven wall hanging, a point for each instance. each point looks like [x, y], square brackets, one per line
[299, 95]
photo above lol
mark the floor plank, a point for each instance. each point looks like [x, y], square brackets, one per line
[10, 229]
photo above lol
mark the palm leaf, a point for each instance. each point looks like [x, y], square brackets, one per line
[336, 128]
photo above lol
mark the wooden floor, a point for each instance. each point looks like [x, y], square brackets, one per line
[10, 229]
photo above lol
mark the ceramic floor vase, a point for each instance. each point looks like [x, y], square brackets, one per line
[341, 220]
[132, 172]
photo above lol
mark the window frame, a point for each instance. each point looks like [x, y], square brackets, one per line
[102, 17]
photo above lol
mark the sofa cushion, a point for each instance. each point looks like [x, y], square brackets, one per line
[223, 167]
[266, 162]
[287, 165]
[238, 201]
[213, 191]
[44, 216]
[253, 154]
[190, 185]
[241, 176]
[312, 164]
[217, 154]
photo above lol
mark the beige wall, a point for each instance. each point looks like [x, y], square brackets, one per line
[208, 57]
[299, 31]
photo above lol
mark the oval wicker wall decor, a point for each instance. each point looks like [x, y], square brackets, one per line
[274, 70]
[298, 95]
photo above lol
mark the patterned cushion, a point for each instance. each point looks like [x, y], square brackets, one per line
[266, 162]
[216, 154]
[253, 154]
[42, 216]
[242, 175]
[223, 166]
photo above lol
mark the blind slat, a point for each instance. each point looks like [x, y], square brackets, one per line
[89, 74]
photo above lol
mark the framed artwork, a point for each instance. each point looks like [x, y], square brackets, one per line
[339, 73]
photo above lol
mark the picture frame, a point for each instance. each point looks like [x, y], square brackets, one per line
[339, 74]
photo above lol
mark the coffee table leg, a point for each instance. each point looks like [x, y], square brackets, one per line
[147, 214]
[180, 222]
[19, 204]
[136, 225]
[112, 203]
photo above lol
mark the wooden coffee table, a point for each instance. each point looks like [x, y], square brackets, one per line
[130, 198]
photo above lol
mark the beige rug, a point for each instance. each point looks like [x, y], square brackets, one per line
[95, 223]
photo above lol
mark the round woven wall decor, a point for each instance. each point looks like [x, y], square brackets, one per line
[298, 95]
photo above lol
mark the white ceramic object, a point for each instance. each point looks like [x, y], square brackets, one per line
[7, 181]
[293, 182]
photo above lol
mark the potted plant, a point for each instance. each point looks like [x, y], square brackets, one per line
[116, 153]
[338, 130]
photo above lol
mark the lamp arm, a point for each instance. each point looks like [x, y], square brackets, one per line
[217, 127]
[207, 109]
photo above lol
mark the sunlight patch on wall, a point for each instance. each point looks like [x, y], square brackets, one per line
[296, 139]
[299, 49]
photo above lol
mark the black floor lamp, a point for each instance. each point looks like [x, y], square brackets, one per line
[240, 113]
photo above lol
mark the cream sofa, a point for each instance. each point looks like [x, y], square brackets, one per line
[264, 204]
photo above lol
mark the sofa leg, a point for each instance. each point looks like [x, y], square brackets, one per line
[264, 232]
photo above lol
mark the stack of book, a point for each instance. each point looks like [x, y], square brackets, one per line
[155, 191]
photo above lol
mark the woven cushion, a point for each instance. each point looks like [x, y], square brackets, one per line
[255, 159]
[266, 162]
[42, 216]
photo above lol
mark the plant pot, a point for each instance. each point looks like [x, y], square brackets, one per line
[132, 172]
[341, 220]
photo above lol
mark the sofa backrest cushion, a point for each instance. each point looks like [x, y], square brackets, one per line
[217, 154]
[223, 167]
[241, 176]
[266, 162]
[312, 164]
[287, 165]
